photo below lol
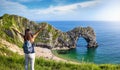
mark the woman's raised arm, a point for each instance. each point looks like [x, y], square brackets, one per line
[37, 32]
[18, 32]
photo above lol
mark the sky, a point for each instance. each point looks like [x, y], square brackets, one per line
[63, 10]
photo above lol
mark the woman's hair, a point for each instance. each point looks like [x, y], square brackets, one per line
[28, 34]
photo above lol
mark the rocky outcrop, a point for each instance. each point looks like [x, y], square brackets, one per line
[50, 37]
[70, 38]
[86, 32]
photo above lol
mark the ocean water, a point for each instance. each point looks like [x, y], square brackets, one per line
[108, 38]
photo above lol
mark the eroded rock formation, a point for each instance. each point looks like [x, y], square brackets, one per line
[86, 32]
[50, 37]
[72, 37]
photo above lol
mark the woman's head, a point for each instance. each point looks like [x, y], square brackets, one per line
[27, 31]
[28, 34]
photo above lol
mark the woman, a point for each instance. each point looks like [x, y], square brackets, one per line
[29, 39]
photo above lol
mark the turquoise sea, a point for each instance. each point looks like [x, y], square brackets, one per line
[108, 38]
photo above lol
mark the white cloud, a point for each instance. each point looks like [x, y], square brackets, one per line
[68, 8]
[48, 14]
[12, 7]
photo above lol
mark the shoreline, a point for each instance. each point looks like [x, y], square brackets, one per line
[47, 54]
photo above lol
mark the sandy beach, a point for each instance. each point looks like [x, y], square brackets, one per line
[47, 54]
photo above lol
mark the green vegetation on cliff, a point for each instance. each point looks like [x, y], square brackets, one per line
[6, 33]
[7, 22]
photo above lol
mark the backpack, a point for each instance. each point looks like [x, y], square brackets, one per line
[27, 47]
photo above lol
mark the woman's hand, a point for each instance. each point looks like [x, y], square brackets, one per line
[43, 26]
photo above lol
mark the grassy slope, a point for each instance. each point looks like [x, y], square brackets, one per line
[17, 63]
[13, 61]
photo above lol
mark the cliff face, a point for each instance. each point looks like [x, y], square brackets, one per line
[50, 37]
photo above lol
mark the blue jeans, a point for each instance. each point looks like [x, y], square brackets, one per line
[29, 58]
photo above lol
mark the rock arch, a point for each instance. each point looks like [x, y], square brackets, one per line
[86, 32]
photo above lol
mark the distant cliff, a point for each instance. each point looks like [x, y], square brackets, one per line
[50, 37]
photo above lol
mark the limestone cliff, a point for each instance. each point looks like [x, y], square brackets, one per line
[50, 37]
